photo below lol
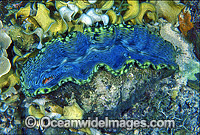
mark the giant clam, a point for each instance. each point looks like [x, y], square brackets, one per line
[78, 57]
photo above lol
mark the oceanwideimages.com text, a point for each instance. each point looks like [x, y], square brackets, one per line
[46, 122]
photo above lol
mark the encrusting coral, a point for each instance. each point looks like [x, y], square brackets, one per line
[5, 42]
[5, 65]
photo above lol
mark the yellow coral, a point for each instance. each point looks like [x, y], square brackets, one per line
[174, 94]
[132, 11]
[54, 108]
[73, 112]
[112, 16]
[119, 19]
[36, 112]
[74, 27]
[107, 5]
[24, 12]
[9, 97]
[60, 4]
[168, 10]
[43, 17]
[9, 80]
[82, 4]
[146, 8]
[59, 27]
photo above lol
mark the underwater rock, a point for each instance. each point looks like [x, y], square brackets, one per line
[115, 48]
[194, 37]
[138, 94]
[185, 58]
[107, 95]
[110, 95]
[194, 7]
[195, 84]
[184, 109]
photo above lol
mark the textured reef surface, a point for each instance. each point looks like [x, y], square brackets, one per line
[92, 59]
[78, 56]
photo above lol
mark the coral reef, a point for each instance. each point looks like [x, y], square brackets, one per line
[5, 65]
[8, 81]
[195, 84]
[108, 95]
[137, 94]
[84, 55]
[133, 10]
[149, 10]
[72, 112]
[122, 59]
[22, 42]
[185, 58]
[84, 13]
[9, 113]
[193, 35]
[5, 42]
[44, 107]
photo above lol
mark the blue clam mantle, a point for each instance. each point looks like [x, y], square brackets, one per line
[77, 57]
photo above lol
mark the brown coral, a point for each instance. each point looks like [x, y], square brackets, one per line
[185, 23]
